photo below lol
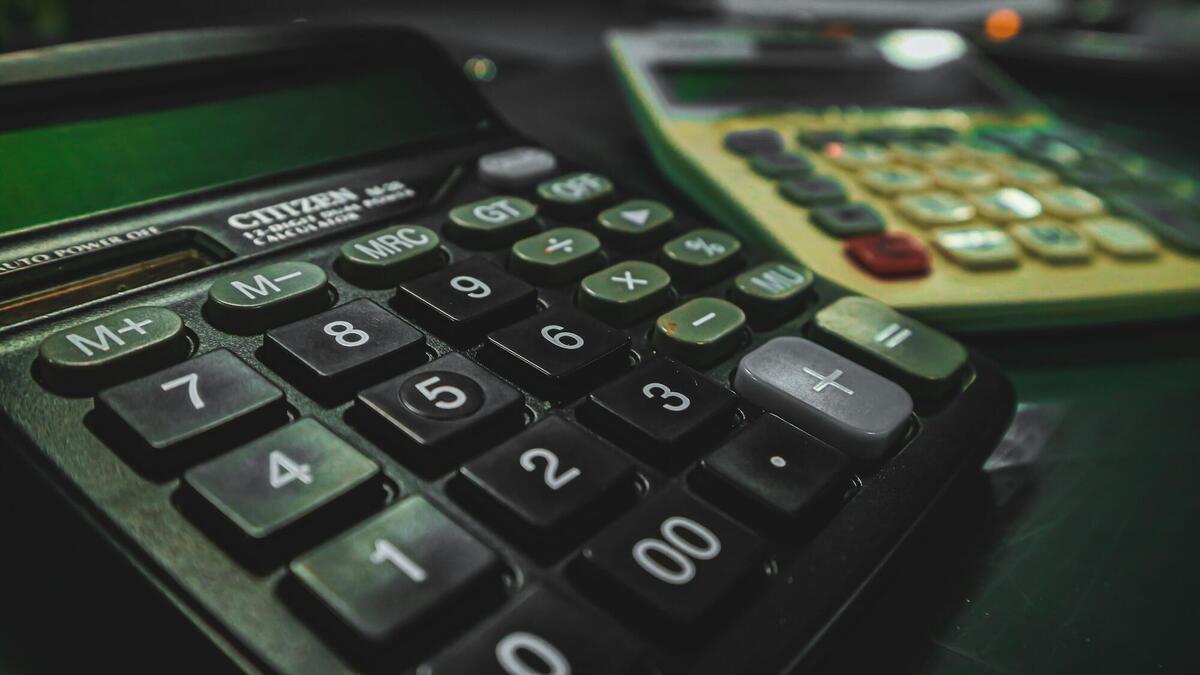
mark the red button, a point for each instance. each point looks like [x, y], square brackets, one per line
[889, 255]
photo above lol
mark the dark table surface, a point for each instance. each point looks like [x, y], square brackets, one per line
[1073, 550]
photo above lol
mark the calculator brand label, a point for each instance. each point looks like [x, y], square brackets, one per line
[291, 218]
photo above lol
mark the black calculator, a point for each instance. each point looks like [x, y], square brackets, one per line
[364, 381]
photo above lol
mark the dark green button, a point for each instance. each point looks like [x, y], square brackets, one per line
[772, 290]
[263, 297]
[625, 292]
[781, 163]
[922, 360]
[813, 190]
[847, 220]
[701, 255]
[700, 332]
[636, 223]
[389, 256]
[575, 195]
[492, 222]
[126, 343]
[556, 256]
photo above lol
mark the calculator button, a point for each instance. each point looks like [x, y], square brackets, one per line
[1026, 175]
[923, 152]
[340, 345]
[894, 180]
[889, 255]
[280, 479]
[777, 470]
[549, 475]
[825, 394]
[978, 248]
[701, 256]
[1069, 202]
[663, 408]
[271, 295]
[556, 256]
[625, 292]
[492, 222]
[637, 223]
[1120, 238]
[1096, 173]
[1052, 241]
[1006, 204]
[753, 141]
[675, 556]
[195, 400]
[963, 177]
[817, 140]
[389, 256]
[1048, 149]
[854, 155]
[926, 362]
[780, 163]
[442, 409]
[984, 151]
[936, 208]
[538, 633]
[575, 195]
[121, 344]
[701, 331]
[1174, 220]
[883, 135]
[467, 299]
[937, 134]
[773, 291]
[813, 190]
[396, 571]
[516, 167]
[847, 220]
[558, 351]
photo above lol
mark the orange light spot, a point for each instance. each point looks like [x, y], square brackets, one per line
[834, 149]
[1002, 25]
[838, 31]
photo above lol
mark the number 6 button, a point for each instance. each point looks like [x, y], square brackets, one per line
[558, 351]
[675, 556]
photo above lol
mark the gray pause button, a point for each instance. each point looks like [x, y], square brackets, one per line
[827, 395]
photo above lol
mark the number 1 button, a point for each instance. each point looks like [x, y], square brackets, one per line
[392, 573]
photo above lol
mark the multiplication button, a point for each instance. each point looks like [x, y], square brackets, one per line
[825, 394]
[625, 292]
[271, 295]
[123, 344]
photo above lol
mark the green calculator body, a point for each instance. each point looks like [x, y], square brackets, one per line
[904, 167]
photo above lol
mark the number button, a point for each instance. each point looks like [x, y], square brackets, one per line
[280, 481]
[548, 477]
[675, 557]
[119, 345]
[663, 408]
[193, 403]
[558, 351]
[249, 302]
[538, 633]
[441, 410]
[493, 222]
[467, 299]
[400, 571]
[383, 258]
[344, 347]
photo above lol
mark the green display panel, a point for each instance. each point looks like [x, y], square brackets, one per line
[66, 170]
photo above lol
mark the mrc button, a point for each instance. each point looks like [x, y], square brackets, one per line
[129, 342]
[262, 297]
[389, 256]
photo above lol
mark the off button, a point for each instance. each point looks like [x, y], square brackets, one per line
[268, 296]
[125, 344]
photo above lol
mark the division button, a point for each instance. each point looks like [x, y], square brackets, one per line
[556, 256]
[492, 222]
[516, 168]
[753, 141]
[825, 394]
[121, 344]
[271, 295]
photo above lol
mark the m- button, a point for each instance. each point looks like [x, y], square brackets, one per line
[129, 342]
[263, 297]
[825, 394]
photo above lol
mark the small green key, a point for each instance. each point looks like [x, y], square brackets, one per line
[700, 332]
[701, 256]
[636, 223]
[924, 361]
[773, 290]
[556, 256]
[125, 343]
[263, 297]
[847, 220]
[575, 195]
[389, 256]
[625, 292]
[493, 222]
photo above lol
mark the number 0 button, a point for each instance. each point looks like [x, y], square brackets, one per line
[676, 557]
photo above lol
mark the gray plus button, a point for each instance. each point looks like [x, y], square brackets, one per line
[826, 394]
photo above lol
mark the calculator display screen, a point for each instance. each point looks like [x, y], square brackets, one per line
[177, 143]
